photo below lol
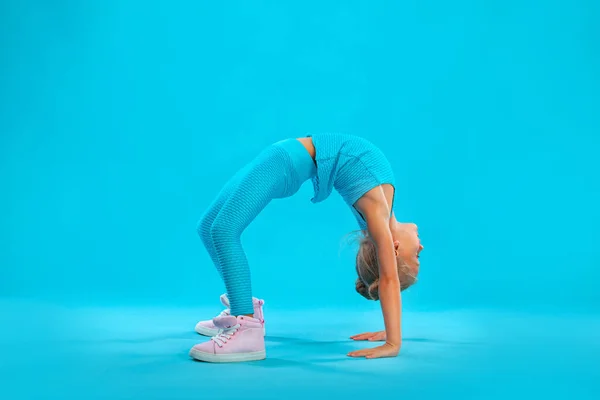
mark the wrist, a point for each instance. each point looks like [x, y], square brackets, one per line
[394, 340]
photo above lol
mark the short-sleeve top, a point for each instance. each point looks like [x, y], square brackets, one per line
[351, 165]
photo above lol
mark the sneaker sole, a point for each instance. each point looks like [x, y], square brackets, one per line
[212, 332]
[225, 358]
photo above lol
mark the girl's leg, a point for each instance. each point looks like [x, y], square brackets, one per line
[274, 174]
[207, 220]
[250, 194]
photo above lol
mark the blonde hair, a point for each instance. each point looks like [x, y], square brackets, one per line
[367, 268]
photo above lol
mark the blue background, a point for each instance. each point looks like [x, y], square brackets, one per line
[121, 120]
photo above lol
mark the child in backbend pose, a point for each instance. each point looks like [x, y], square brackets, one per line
[386, 263]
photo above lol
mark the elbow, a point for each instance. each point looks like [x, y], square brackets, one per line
[389, 282]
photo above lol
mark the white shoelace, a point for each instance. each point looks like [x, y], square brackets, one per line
[224, 335]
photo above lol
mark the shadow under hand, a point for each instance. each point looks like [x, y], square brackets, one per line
[436, 341]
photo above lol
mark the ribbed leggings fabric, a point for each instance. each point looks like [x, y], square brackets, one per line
[277, 172]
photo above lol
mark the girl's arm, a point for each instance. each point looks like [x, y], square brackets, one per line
[389, 283]
[377, 216]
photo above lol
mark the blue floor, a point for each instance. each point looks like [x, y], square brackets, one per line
[58, 352]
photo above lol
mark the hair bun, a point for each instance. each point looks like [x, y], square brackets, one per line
[362, 289]
[373, 290]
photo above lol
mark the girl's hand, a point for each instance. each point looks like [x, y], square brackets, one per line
[370, 336]
[385, 350]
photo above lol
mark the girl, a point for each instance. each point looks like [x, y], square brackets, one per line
[386, 263]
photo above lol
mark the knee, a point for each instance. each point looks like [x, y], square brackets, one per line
[214, 231]
[204, 227]
[223, 231]
[218, 230]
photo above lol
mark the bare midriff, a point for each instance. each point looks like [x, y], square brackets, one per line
[308, 145]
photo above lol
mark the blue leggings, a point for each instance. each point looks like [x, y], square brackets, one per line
[277, 172]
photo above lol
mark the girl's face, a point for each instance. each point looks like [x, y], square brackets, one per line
[407, 243]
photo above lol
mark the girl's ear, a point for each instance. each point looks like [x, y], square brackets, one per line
[396, 247]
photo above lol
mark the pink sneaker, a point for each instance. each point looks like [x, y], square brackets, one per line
[208, 328]
[239, 339]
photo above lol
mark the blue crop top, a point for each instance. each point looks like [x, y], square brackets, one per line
[352, 166]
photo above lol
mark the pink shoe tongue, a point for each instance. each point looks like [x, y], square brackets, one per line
[225, 322]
